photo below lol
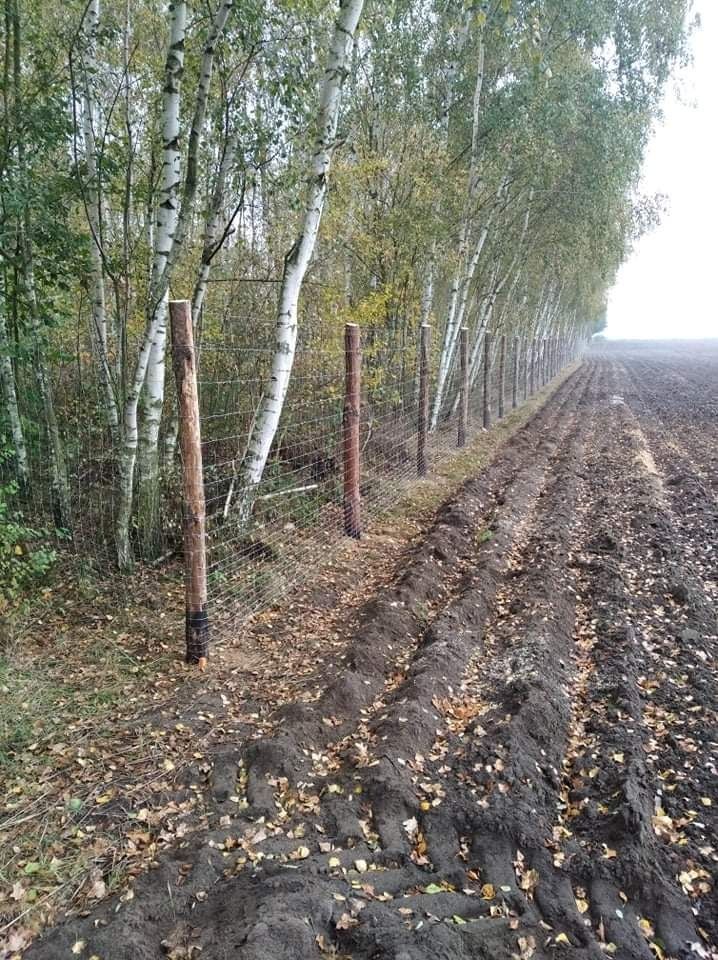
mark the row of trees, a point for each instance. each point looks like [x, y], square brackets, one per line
[463, 163]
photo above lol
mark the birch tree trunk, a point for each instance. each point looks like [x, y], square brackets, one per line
[173, 218]
[93, 208]
[451, 331]
[298, 257]
[427, 301]
[214, 235]
[149, 369]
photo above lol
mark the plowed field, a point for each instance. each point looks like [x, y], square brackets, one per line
[516, 754]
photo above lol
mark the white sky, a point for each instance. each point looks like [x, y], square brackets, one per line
[668, 287]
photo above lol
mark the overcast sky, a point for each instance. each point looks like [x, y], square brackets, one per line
[669, 287]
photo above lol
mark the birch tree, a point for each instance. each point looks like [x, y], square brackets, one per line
[466, 266]
[149, 368]
[174, 211]
[298, 257]
[93, 209]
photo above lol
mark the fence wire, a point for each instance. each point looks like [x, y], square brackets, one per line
[298, 516]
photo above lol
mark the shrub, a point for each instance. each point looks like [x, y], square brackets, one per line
[25, 554]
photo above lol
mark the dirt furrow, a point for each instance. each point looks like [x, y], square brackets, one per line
[284, 851]
[516, 757]
[399, 631]
[648, 885]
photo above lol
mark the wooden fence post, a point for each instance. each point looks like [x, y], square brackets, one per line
[487, 380]
[194, 516]
[515, 376]
[502, 374]
[423, 424]
[463, 387]
[352, 413]
[533, 366]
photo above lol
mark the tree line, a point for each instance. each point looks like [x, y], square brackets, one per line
[468, 164]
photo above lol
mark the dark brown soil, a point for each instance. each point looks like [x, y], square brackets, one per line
[516, 754]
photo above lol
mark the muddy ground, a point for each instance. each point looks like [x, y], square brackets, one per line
[515, 755]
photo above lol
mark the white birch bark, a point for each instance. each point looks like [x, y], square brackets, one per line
[451, 330]
[513, 272]
[149, 368]
[427, 303]
[298, 257]
[215, 233]
[173, 217]
[9, 393]
[93, 209]
[460, 312]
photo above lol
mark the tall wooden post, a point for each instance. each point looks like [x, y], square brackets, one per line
[533, 366]
[194, 517]
[502, 374]
[422, 431]
[487, 380]
[352, 413]
[463, 387]
[515, 376]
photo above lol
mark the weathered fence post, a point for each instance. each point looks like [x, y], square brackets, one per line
[352, 413]
[515, 376]
[194, 517]
[533, 366]
[463, 387]
[502, 374]
[423, 424]
[487, 380]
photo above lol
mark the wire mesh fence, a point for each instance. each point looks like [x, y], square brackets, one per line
[298, 519]
[298, 514]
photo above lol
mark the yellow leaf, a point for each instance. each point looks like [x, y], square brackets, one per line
[488, 892]
[78, 946]
[646, 926]
[562, 938]
[706, 801]
[582, 905]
